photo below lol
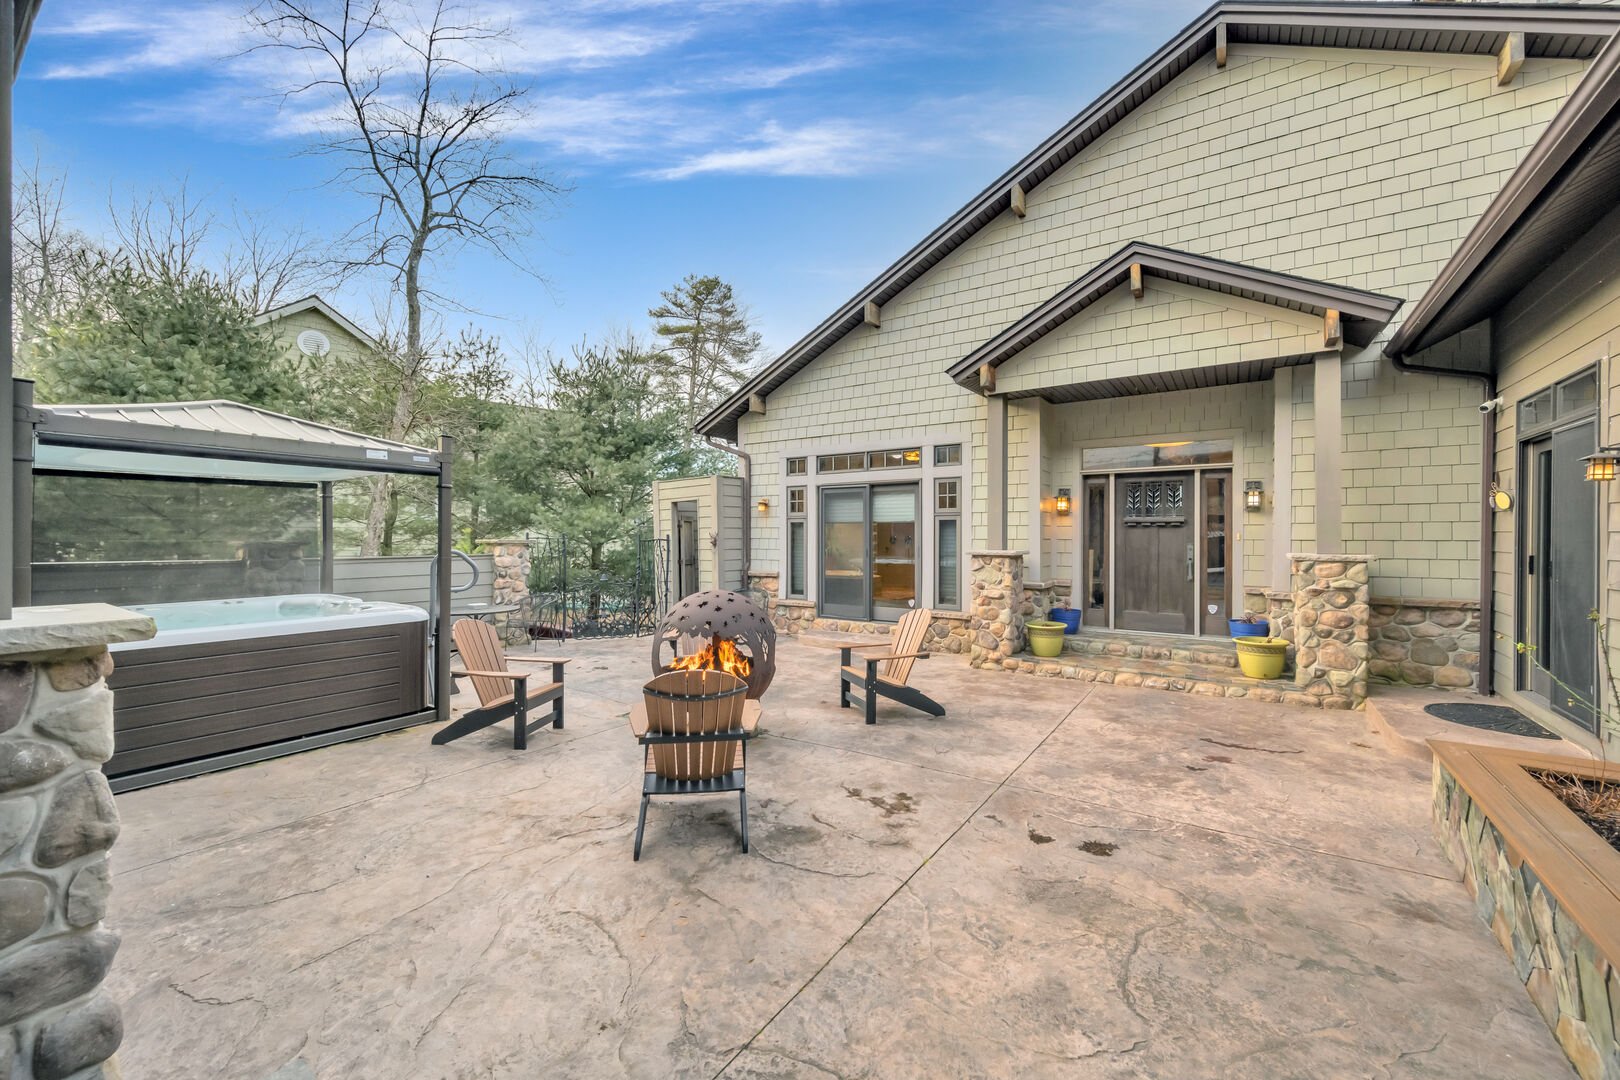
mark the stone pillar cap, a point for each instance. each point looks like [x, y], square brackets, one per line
[61, 631]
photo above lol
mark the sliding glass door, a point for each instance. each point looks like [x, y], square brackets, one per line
[869, 551]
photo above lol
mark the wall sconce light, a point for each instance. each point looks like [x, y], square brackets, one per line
[1254, 495]
[1062, 503]
[1601, 466]
[764, 506]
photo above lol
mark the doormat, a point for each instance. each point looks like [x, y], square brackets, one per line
[1489, 718]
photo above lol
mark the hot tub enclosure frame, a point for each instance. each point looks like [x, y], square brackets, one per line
[230, 441]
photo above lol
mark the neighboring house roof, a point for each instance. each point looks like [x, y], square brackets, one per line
[315, 303]
[1564, 31]
[1567, 182]
[1362, 313]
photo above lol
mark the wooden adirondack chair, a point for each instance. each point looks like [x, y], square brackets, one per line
[502, 694]
[695, 726]
[902, 649]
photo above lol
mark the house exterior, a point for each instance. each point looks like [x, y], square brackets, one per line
[1145, 370]
[694, 512]
[312, 327]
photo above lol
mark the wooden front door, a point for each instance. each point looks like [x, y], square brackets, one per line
[1155, 552]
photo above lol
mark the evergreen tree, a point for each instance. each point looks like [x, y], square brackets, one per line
[708, 348]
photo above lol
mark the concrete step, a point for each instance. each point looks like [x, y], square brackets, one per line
[1205, 680]
[1395, 714]
[1124, 645]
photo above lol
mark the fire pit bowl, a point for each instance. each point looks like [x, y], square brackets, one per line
[720, 630]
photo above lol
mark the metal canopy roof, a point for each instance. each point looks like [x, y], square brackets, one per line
[213, 439]
[1570, 31]
[1362, 313]
[1565, 185]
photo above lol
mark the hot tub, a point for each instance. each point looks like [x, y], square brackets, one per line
[226, 681]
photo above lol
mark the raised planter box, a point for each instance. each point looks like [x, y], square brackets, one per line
[1545, 883]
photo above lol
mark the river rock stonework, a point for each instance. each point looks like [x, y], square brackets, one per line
[997, 608]
[511, 585]
[1332, 613]
[57, 823]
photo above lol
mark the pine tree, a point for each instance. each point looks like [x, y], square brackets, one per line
[708, 346]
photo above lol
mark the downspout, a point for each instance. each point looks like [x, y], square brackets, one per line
[748, 493]
[1487, 536]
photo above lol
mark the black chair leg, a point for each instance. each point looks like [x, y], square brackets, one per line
[871, 704]
[641, 824]
[520, 730]
[843, 694]
[557, 714]
[742, 799]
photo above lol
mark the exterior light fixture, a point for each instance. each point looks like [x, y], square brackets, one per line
[1062, 503]
[764, 506]
[1603, 466]
[1254, 493]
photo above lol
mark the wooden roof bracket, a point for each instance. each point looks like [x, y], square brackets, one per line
[1510, 59]
[1220, 44]
[756, 404]
[1332, 329]
[987, 378]
[1016, 195]
[1137, 288]
[873, 315]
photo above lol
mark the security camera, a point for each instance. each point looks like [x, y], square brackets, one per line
[1490, 406]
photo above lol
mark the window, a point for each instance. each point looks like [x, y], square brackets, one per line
[948, 455]
[893, 459]
[1152, 455]
[1535, 411]
[947, 587]
[796, 541]
[1569, 400]
[840, 463]
[797, 466]
[946, 496]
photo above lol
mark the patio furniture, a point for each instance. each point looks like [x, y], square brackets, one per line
[695, 725]
[904, 648]
[502, 694]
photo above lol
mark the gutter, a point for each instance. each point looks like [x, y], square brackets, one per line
[1487, 536]
[748, 494]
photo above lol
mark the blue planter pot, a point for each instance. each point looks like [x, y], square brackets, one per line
[1238, 628]
[1069, 617]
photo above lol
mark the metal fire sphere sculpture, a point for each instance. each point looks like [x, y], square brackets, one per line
[711, 618]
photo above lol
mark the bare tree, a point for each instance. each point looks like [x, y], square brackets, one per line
[46, 251]
[267, 265]
[413, 112]
[162, 235]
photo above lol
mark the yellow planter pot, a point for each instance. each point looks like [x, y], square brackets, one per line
[1045, 637]
[1262, 658]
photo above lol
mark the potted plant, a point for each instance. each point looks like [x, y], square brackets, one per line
[1262, 657]
[1068, 616]
[1247, 625]
[1045, 637]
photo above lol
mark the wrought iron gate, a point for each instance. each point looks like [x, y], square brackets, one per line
[620, 596]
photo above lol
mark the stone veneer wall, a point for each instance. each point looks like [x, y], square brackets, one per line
[997, 607]
[511, 559]
[57, 822]
[1414, 642]
[1576, 991]
[1332, 609]
[1043, 596]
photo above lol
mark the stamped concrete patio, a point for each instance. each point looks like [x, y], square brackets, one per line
[1056, 880]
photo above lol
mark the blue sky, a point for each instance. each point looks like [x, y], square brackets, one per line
[793, 148]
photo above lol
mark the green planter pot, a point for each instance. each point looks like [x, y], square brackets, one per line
[1262, 658]
[1045, 637]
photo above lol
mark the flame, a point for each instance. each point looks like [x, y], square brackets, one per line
[719, 655]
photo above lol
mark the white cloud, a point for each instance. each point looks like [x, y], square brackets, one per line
[828, 148]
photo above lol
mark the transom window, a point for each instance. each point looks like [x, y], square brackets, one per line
[1153, 455]
[797, 466]
[948, 455]
[1562, 401]
[876, 459]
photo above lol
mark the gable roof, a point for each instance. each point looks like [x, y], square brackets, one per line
[315, 303]
[1566, 183]
[1362, 313]
[1564, 30]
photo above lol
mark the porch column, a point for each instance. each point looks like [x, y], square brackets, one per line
[995, 607]
[995, 469]
[1282, 479]
[1328, 412]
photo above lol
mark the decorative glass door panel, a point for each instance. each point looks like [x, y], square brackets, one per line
[1218, 551]
[1094, 564]
[1155, 576]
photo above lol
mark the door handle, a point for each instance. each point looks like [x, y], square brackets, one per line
[1189, 562]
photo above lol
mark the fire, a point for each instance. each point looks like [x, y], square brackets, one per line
[719, 655]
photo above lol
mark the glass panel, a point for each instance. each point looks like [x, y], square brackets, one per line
[1210, 452]
[796, 500]
[796, 466]
[1577, 394]
[948, 455]
[840, 462]
[843, 552]
[945, 495]
[1535, 411]
[1570, 585]
[796, 558]
[947, 589]
[893, 459]
[1217, 600]
[1096, 571]
[894, 550]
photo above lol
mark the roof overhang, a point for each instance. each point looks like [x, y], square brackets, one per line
[1566, 184]
[315, 303]
[1568, 31]
[1362, 314]
[218, 440]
